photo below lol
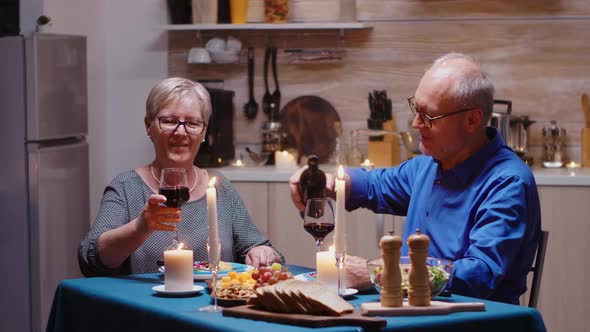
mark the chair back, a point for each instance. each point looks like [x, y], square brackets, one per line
[537, 269]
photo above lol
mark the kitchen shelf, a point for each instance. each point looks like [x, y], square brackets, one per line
[271, 26]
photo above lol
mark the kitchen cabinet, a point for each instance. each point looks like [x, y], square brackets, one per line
[270, 206]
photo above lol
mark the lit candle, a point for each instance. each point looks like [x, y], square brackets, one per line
[212, 217]
[571, 167]
[327, 272]
[284, 161]
[238, 163]
[367, 164]
[178, 269]
[340, 217]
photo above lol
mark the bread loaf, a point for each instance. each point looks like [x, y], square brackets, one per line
[304, 297]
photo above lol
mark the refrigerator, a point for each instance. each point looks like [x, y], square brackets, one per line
[44, 184]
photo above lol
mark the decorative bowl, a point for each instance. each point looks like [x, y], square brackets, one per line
[439, 269]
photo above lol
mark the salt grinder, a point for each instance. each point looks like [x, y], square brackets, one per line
[391, 277]
[419, 290]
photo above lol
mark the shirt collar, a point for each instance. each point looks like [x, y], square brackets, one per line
[471, 167]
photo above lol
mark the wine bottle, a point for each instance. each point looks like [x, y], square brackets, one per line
[312, 183]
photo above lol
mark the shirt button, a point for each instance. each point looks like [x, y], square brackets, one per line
[437, 182]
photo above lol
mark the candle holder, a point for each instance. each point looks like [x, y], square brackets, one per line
[572, 167]
[340, 262]
[214, 258]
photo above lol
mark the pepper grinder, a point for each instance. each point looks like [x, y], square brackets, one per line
[391, 277]
[419, 290]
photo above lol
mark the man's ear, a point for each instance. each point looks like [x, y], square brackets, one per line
[474, 119]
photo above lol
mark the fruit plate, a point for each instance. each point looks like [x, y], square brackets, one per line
[201, 274]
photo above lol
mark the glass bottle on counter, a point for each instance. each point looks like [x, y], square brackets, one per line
[312, 183]
[554, 139]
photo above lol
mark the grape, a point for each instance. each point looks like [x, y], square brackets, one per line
[266, 276]
[256, 275]
[276, 266]
[273, 280]
[283, 275]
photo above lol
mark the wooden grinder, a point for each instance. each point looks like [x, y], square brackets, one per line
[419, 290]
[391, 277]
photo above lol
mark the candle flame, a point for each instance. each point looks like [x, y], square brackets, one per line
[285, 153]
[212, 182]
[572, 164]
[367, 162]
[180, 245]
[340, 172]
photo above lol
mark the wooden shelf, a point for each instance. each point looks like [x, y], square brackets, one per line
[271, 26]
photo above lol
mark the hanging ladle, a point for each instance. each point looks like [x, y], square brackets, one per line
[276, 95]
[251, 107]
[266, 98]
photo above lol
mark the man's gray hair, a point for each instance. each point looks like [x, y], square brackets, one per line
[473, 88]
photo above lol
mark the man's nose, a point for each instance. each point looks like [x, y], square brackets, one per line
[417, 122]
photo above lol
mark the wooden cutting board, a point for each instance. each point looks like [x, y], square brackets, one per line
[435, 308]
[354, 319]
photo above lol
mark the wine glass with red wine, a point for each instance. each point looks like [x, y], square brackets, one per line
[318, 219]
[174, 185]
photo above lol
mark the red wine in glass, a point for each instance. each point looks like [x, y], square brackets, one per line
[318, 219]
[174, 185]
[319, 230]
[175, 196]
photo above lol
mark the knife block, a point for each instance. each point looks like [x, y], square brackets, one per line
[585, 147]
[387, 152]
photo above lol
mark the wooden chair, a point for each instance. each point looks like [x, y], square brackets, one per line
[537, 269]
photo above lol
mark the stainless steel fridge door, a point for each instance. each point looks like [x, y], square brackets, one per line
[56, 87]
[59, 218]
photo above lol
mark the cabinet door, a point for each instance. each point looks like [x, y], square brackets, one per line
[255, 197]
[298, 246]
[286, 228]
[564, 292]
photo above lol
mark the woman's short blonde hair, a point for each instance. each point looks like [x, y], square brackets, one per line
[173, 89]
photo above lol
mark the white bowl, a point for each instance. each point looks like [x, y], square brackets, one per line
[224, 56]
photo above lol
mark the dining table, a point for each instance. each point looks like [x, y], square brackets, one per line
[128, 303]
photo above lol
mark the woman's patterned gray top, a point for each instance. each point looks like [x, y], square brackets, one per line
[124, 199]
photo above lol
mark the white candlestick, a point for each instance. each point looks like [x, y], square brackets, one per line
[326, 269]
[178, 270]
[214, 252]
[340, 217]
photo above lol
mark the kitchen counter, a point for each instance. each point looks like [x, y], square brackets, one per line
[543, 176]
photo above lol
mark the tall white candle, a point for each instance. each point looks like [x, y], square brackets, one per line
[178, 273]
[340, 218]
[326, 269]
[214, 252]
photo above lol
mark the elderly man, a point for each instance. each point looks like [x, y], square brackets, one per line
[474, 198]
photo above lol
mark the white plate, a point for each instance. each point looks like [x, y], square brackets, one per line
[350, 292]
[203, 275]
[161, 289]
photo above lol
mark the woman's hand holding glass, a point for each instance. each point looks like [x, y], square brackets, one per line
[158, 217]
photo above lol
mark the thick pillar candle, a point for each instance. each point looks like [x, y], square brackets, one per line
[327, 272]
[285, 161]
[178, 265]
[340, 218]
[212, 218]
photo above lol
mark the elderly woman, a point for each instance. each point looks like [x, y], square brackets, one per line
[134, 227]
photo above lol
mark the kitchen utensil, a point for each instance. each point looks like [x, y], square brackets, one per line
[514, 129]
[271, 140]
[354, 319]
[554, 139]
[266, 98]
[251, 107]
[276, 95]
[586, 108]
[308, 124]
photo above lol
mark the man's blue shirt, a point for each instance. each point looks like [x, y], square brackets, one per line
[484, 214]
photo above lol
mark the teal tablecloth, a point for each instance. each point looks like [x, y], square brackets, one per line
[128, 303]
